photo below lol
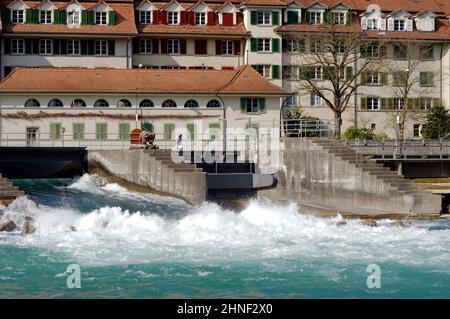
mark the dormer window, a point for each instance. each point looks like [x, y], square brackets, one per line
[45, 17]
[173, 17]
[315, 17]
[101, 18]
[73, 17]
[339, 18]
[264, 17]
[372, 24]
[200, 18]
[145, 17]
[399, 25]
[18, 16]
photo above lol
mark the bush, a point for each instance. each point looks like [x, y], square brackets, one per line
[362, 133]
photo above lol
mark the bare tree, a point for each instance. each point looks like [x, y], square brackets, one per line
[332, 66]
[412, 84]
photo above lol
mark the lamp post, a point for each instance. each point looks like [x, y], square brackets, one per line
[63, 130]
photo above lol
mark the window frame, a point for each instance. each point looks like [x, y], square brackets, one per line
[265, 44]
[191, 103]
[251, 105]
[72, 49]
[142, 104]
[315, 100]
[208, 105]
[145, 17]
[18, 16]
[17, 47]
[172, 104]
[200, 18]
[173, 17]
[171, 46]
[397, 23]
[318, 17]
[227, 49]
[46, 46]
[101, 18]
[45, 16]
[145, 46]
[83, 104]
[372, 104]
[53, 101]
[71, 20]
[103, 105]
[102, 45]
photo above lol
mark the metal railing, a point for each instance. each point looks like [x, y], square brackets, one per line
[307, 128]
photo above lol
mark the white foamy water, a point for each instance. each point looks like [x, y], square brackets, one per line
[210, 234]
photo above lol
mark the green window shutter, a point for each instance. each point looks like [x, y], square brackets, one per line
[349, 18]
[423, 78]
[29, 16]
[101, 131]
[262, 104]
[62, 16]
[275, 45]
[383, 78]
[36, 16]
[91, 17]
[84, 17]
[111, 18]
[275, 72]
[275, 18]
[328, 17]
[383, 103]
[390, 103]
[364, 77]
[7, 16]
[28, 46]
[348, 72]
[124, 131]
[430, 79]
[191, 129]
[307, 17]
[56, 46]
[78, 131]
[111, 47]
[253, 17]
[253, 44]
[255, 66]
[90, 47]
[35, 46]
[7, 46]
[84, 47]
[168, 130]
[292, 17]
[56, 17]
[363, 52]
[55, 131]
[243, 104]
[363, 105]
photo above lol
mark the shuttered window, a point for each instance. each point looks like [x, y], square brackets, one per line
[78, 131]
[124, 131]
[168, 131]
[55, 131]
[101, 131]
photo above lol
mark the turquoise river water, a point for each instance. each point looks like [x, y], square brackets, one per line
[132, 245]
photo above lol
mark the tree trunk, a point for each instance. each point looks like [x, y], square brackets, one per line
[338, 124]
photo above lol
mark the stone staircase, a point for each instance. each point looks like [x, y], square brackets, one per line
[8, 192]
[395, 182]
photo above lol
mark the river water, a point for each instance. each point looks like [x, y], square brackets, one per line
[132, 245]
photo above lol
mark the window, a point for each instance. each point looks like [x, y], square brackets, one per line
[213, 104]
[55, 131]
[426, 78]
[399, 25]
[17, 46]
[373, 126]
[145, 46]
[372, 24]
[200, 18]
[373, 103]
[400, 78]
[295, 46]
[169, 103]
[426, 52]
[264, 45]
[425, 103]
[400, 52]
[124, 103]
[373, 78]
[291, 72]
[146, 103]
[251, 105]
[191, 131]
[227, 47]
[340, 47]
[316, 46]
[264, 17]
[173, 46]
[101, 47]
[78, 131]
[417, 132]
[101, 103]
[17, 16]
[145, 17]
[55, 103]
[191, 104]
[73, 17]
[168, 131]
[32, 103]
[315, 17]
[101, 131]
[316, 100]
[73, 47]
[45, 17]
[78, 103]
[264, 70]
[101, 17]
[374, 50]
[339, 18]
[124, 131]
[316, 73]
[172, 17]
[45, 46]
[399, 103]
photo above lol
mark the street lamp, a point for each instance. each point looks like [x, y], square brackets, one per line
[63, 130]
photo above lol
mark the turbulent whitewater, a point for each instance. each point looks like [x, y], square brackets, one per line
[141, 245]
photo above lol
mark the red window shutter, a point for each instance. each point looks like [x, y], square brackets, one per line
[163, 46]
[210, 18]
[191, 18]
[218, 47]
[183, 46]
[183, 17]
[227, 19]
[237, 47]
[155, 46]
[164, 17]
[201, 46]
[155, 17]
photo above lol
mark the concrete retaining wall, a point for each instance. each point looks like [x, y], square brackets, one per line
[153, 170]
[313, 176]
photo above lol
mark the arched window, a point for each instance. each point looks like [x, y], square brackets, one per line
[191, 103]
[32, 103]
[55, 103]
[147, 127]
[78, 103]
[169, 103]
[124, 103]
[213, 103]
[146, 103]
[101, 103]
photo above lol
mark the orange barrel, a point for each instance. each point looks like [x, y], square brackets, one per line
[134, 136]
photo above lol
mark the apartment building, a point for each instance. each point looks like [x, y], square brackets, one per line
[273, 36]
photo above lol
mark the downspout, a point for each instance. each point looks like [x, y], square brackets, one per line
[128, 53]
[355, 97]
[225, 123]
[441, 88]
